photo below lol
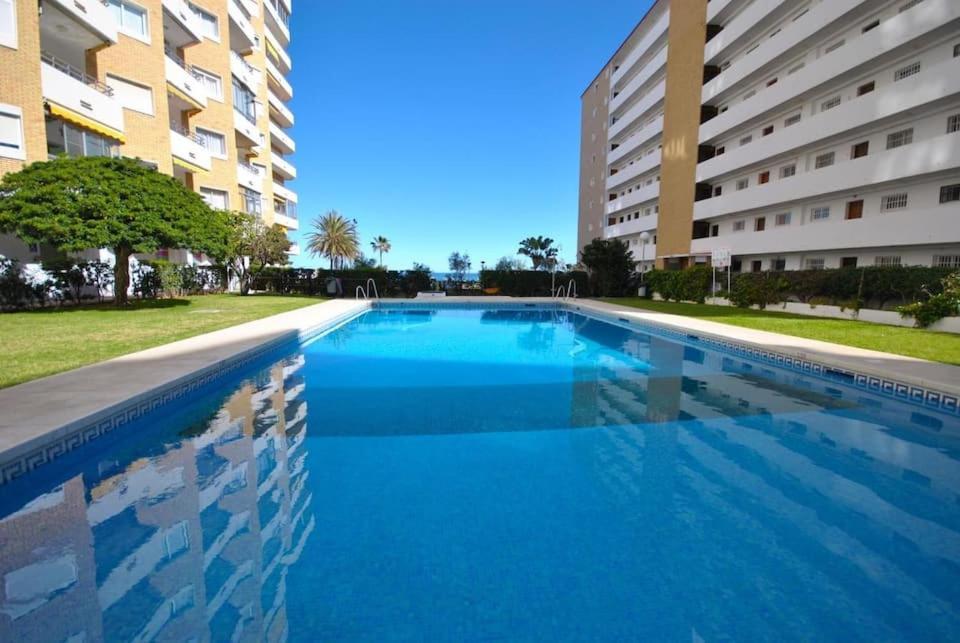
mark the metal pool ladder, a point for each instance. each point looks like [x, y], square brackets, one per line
[371, 286]
[568, 292]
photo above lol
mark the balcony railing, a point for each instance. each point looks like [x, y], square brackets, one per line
[172, 55]
[68, 69]
[246, 65]
[285, 208]
[186, 133]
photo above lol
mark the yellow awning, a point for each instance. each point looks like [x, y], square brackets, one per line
[273, 51]
[176, 92]
[86, 123]
[190, 167]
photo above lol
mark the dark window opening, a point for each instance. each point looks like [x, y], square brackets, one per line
[866, 88]
[848, 262]
[860, 150]
[855, 210]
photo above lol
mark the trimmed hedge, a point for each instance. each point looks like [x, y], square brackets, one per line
[532, 283]
[307, 281]
[870, 287]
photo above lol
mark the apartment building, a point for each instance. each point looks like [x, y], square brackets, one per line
[813, 134]
[197, 89]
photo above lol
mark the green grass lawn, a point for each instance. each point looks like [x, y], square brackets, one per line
[914, 342]
[43, 342]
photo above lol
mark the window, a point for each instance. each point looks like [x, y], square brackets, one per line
[946, 261]
[211, 24]
[8, 23]
[763, 178]
[899, 139]
[834, 46]
[216, 199]
[814, 263]
[860, 150]
[250, 201]
[854, 210]
[886, 261]
[820, 214]
[133, 96]
[792, 120]
[906, 72]
[870, 27]
[950, 193]
[894, 202]
[718, 191]
[746, 140]
[214, 142]
[760, 224]
[739, 226]
[743, 184]
[825, 160]
[131, 18]
[772, 82]
[866, 88]
[953, 124]
[211, 83]
[830, 103]
[11, 133]
[244, 101]
[756, 265]
[63, 138]
[848, 262]
[720, 150]
[715, 230]
[787, 171]
[956, 51]
[778, 264]
[768, 130]
[782, 219]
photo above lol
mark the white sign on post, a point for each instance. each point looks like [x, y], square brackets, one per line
[721, 258]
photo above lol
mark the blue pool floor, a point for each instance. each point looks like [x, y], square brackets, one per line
[498, 475]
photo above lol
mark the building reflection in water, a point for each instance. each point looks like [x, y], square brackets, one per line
[193, 543]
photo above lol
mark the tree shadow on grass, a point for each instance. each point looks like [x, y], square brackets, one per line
[107, 307]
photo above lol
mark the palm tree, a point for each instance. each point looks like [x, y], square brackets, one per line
[335, 237]
[540, 250]
[381, 245]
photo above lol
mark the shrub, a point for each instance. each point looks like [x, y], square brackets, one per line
[758, 289]
[611, 266]
[533, 283]
[691, 284]
[937, 306]
[15, 291]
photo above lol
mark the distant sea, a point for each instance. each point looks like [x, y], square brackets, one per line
[468, 276]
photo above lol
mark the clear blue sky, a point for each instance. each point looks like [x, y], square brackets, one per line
[447, 124]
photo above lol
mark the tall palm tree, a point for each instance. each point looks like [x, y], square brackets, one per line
[335, 237]
[381, 244]
[540, 250]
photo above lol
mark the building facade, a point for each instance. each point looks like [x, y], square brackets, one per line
[196, 89]
[814, 134]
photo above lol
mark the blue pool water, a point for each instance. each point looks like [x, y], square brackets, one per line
[504, 475]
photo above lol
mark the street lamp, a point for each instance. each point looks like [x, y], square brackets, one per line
[644, 238]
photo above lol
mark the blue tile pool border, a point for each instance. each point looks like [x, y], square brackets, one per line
[85, 430]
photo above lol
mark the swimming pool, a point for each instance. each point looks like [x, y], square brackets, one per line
[513, 473]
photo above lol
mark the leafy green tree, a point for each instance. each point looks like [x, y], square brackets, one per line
[253, 247]
[459, 266]
[77, 204]
[611, 266]
[334, 237]
[506, 264]
[363, 262]
[541, 251]
[381, 244]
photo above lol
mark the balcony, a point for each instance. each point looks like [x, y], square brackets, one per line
[634, 226]
[756, 16]
[636, 140]
[277, 83]
[252, 7]
[80, 98]
[645, 194]
[934, 84]
[294, 250]
[653, 67]
[183, 84]
[938, 154]
[188, 149]
[285, 214]
[283, 167]
[636, 113]
[636, 55]
[277, 53]
[283, 142]
[250, 176]
[927, 226]
[275, 22]
[243, 37]
[282, 192]
[87, 22]
[891, 35]
[279, 112]
[250, 135]
[245, 72]
[181, 26]
[639, 167]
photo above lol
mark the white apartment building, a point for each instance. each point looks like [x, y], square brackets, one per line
[828, 136]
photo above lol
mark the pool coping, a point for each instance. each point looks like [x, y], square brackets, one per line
[44, 419]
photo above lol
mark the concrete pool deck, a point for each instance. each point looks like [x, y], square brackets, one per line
[42, 419]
